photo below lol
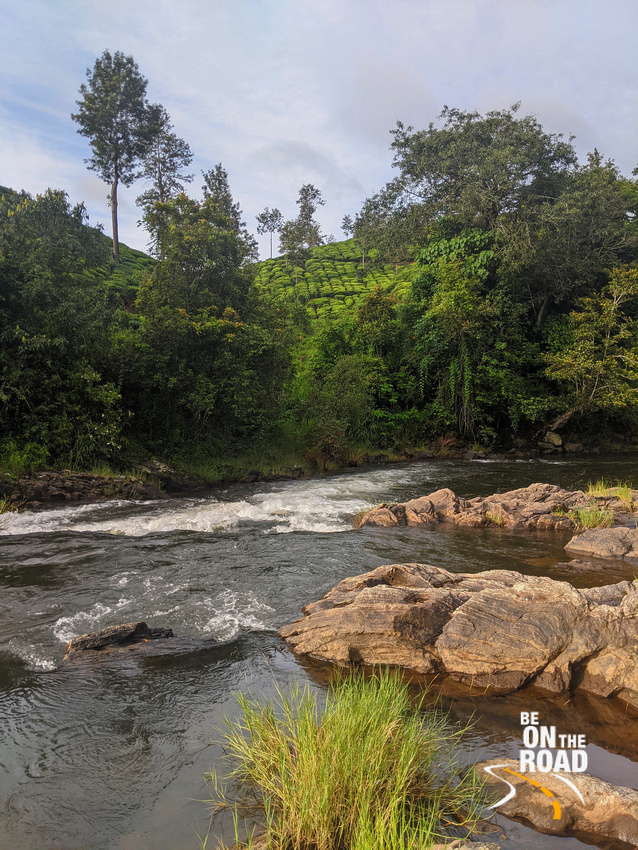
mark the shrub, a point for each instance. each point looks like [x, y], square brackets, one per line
[373, 772]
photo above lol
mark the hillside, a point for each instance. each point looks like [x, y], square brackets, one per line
[124, 278]
[333, 280]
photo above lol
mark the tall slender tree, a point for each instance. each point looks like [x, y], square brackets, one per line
[300, 234]
[269, 221]
[116, 117]
[163, 166]
[216, 188]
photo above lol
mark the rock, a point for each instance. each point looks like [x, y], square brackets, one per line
[553, 439]
[605, 812]
[606, 543]
[498, 630]
[539, 506]
[579, 564]
[574, 447]
[124, 635]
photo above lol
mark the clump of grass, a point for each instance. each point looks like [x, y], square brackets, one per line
[496, 519]
[372, 772]
[6, 505]
[598, 488]
[592, 517]
[622, 490]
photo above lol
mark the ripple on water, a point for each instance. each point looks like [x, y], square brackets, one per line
[98, 754]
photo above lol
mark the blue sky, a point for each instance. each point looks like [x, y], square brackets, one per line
[286, 92]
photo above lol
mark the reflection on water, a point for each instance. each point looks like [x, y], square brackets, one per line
[111, 754]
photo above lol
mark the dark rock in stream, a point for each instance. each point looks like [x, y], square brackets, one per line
[537, 507]
[114, 636]
[606, 812]
[498, 630]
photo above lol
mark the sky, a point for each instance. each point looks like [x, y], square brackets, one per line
[287, 92]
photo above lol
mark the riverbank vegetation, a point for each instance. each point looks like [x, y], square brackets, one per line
[486, 296]
[374, 770]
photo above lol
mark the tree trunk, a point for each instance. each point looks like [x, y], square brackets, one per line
[271, 245]
[541, 313]
[116, 241]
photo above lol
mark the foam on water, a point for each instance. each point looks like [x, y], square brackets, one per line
[34, 657]
[318, 505]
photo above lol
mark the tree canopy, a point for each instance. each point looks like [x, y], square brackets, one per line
[116, 117]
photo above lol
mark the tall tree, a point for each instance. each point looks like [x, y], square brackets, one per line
[309, 199]
[300, 234]
[115, 115]
[163, 166]
[269, 221]
[216, 188]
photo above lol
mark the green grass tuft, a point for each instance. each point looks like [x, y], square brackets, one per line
[592, 517]
[372, 772]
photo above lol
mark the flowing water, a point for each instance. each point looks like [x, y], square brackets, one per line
[112, 753]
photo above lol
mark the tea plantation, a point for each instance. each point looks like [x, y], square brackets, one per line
[333, 280]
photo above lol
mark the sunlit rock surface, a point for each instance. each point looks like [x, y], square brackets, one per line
[497, 630]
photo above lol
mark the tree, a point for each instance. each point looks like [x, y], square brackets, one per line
[479, 170]
[216, 189]
[598, 366]
[269, 221]
[55, 322]
[300, 234]
[308, 201]
[208, 363]
[163, 165]
[562, 249]
[115, 115]
[347, 225]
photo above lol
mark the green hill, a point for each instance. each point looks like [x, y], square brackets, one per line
[334, 279]
[124, 278]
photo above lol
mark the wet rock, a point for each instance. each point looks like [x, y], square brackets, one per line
[606, 543]
[172, 480]
[540, 506]
[574, 448]
[498, 630]
[596, 811]
[553, 439]
[123, 635]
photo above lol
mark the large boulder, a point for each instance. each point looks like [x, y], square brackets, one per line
[497, 630]
[584, 807]
[539, 506]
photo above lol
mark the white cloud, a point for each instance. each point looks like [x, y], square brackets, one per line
[312, 89]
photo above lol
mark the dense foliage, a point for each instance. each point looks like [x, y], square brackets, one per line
[96, 365]
[489, 293]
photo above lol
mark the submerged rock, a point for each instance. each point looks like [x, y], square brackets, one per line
[113, 636]
[539, 506]
[606, 543]
[498, 630]
[595, 811]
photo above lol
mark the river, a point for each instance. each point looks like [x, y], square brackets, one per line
[111, 755]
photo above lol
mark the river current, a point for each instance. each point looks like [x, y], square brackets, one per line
[111, 754]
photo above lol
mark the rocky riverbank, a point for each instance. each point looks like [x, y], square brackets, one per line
[498, 630]
[539, 506]
[50, 488]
